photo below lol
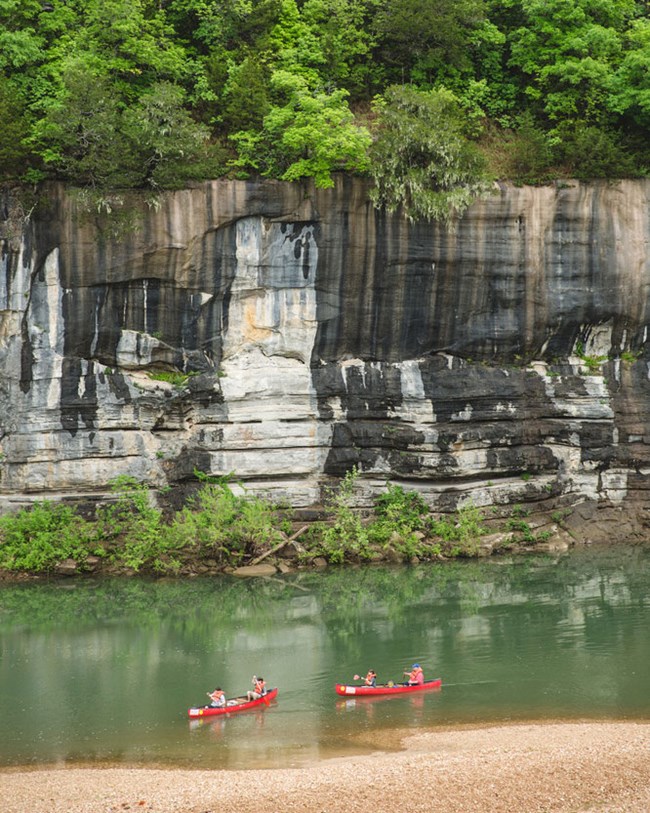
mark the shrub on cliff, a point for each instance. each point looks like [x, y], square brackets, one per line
[14, 132]
[401, 529]
[307, 133]
[422, 159]
[89, 136]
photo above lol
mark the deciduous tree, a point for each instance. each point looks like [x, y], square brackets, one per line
[306, 134]
[421, 159]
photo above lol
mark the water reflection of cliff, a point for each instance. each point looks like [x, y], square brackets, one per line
[106, 670]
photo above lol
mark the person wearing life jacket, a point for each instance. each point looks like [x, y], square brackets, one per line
[259, 689]
[371, 678]
[218, 698]
[415, 676]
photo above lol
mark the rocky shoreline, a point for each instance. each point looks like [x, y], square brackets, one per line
[574, 767]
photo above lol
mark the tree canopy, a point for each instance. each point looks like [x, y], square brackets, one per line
[428, 95]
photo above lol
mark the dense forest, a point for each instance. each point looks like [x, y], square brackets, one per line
[432, 99]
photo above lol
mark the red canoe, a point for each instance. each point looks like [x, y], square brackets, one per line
[232, 705]
[386, 688]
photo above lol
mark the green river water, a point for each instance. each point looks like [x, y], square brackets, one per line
[104, 671]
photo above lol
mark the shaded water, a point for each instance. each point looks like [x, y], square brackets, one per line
[105, 670]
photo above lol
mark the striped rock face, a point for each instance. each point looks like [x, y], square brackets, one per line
[285, 334]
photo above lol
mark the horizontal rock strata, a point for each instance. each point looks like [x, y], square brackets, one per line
[285, 334]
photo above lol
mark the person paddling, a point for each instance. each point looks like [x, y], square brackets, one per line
[370, 679]
[218, 698]
[259, 689]
[415, 676]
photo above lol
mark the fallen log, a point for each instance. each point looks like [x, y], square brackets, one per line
[287, 539]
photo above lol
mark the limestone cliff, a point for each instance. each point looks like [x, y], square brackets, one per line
[503, 360]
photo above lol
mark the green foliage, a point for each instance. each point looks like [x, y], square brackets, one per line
[402, 524]
[345, 539]
[223, 526]
[246, 96]
[421, 39]
[307, 134]
[14, 133]
[169, 148]
[399, 515]
[219, 527]
[522, 154]
[408, 507]
[38, 538]
[631, 356]
[589, 152]
[591, 362]
[80, 135]
[132, 93]
[132, 42]
[88, 137]
[130, 531]
[174, 378]
[345, 39]
[630, 85]
[523, 530]
[421, 159]
[461, 534]
[130, 527]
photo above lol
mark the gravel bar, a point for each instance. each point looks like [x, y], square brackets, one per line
[577, 767]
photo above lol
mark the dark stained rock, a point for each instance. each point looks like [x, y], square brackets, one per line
[285, 334]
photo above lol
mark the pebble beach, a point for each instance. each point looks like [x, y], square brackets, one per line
[576, 767]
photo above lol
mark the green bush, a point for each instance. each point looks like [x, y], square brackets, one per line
[221, 525]
[522, 528]
[308, 134]
[36, 539]
[528, 152]
[399, 514]
[460, 534]
[130, 527]
[407, 507]
[589, 152]
[346, 539]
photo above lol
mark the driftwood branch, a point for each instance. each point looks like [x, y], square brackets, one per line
[287, 539]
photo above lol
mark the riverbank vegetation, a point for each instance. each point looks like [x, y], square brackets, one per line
[430, 98]
[218, 530]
